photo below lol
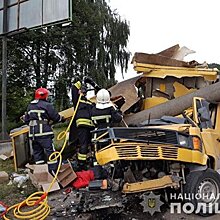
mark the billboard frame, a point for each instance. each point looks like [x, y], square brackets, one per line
[33, 27]
[4, 34]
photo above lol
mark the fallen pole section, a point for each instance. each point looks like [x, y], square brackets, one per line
[175, 106]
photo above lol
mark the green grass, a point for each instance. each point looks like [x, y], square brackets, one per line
[7, 165]
[11, 194]
[58, 143]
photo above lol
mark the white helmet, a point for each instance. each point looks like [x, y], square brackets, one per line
[103, 99]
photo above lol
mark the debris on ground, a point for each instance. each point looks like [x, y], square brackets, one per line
[82, 201]
[3, 157]
[41, 178]
[66, 175]
[18, 179]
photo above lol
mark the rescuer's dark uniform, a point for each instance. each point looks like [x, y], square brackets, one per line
[83, 122]
[103, 118]
[104, 114]
[39, 115]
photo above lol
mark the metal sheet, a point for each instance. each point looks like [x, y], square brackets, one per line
[170, 51]
[35, 13]
[160, 183]
[190, 82]
[12, 15]
[54, 10]
[128, 90]
[155, 59]
[10, 2]
[168, 81]
[181, 90]
[21, 150]
[159, 71]
[30, 14]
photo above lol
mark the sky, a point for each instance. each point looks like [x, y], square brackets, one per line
[156, 25]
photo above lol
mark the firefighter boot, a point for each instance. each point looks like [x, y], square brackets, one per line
[82, 162]
[82, 165]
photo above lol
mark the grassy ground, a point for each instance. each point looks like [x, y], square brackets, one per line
[19, 194]
[58, 143]
[11, 194]
[16, 194]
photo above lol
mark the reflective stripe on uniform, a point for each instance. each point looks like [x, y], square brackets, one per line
[36, 111]
[84, 121]
[40, 134]
[40, 162]
[81, 156]
[101, 117]
[52, 162]
[87, 102]
[40, 129]
[37, 122]
[78, 85]
[95, 163]
[39, 112]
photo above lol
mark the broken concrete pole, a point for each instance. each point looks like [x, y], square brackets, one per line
[175, 106]
[3, 177]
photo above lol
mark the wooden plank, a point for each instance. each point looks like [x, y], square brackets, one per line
[169, 52]
[158, 60]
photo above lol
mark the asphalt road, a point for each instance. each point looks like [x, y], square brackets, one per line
[169, 216]
[165, 216]
[64, 207]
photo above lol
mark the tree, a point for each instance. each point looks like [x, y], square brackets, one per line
[93, 44]
[214, 65]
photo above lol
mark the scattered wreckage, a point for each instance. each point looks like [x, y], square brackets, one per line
[171, 144]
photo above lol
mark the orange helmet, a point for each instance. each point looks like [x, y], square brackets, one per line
[41, 93]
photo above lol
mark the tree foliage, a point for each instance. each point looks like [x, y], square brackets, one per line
[93, 44]
[214, 65]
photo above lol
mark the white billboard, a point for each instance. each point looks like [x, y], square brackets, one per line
[34, 13]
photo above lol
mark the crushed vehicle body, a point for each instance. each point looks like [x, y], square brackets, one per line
[164, 154]
[162, 78]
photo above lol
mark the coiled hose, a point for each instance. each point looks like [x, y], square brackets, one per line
[38, 200]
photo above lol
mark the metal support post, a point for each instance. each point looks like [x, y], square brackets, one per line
[4, 72]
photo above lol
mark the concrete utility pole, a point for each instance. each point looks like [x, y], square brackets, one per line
[4, 70]
[175, 106]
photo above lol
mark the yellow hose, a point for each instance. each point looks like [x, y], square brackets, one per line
[39, 199]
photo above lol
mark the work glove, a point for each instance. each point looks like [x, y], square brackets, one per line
[88, 80]
[97, 88]
[83, 89]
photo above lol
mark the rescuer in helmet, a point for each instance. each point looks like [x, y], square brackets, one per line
[104, 113]
[83, 122]
[39, 115]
